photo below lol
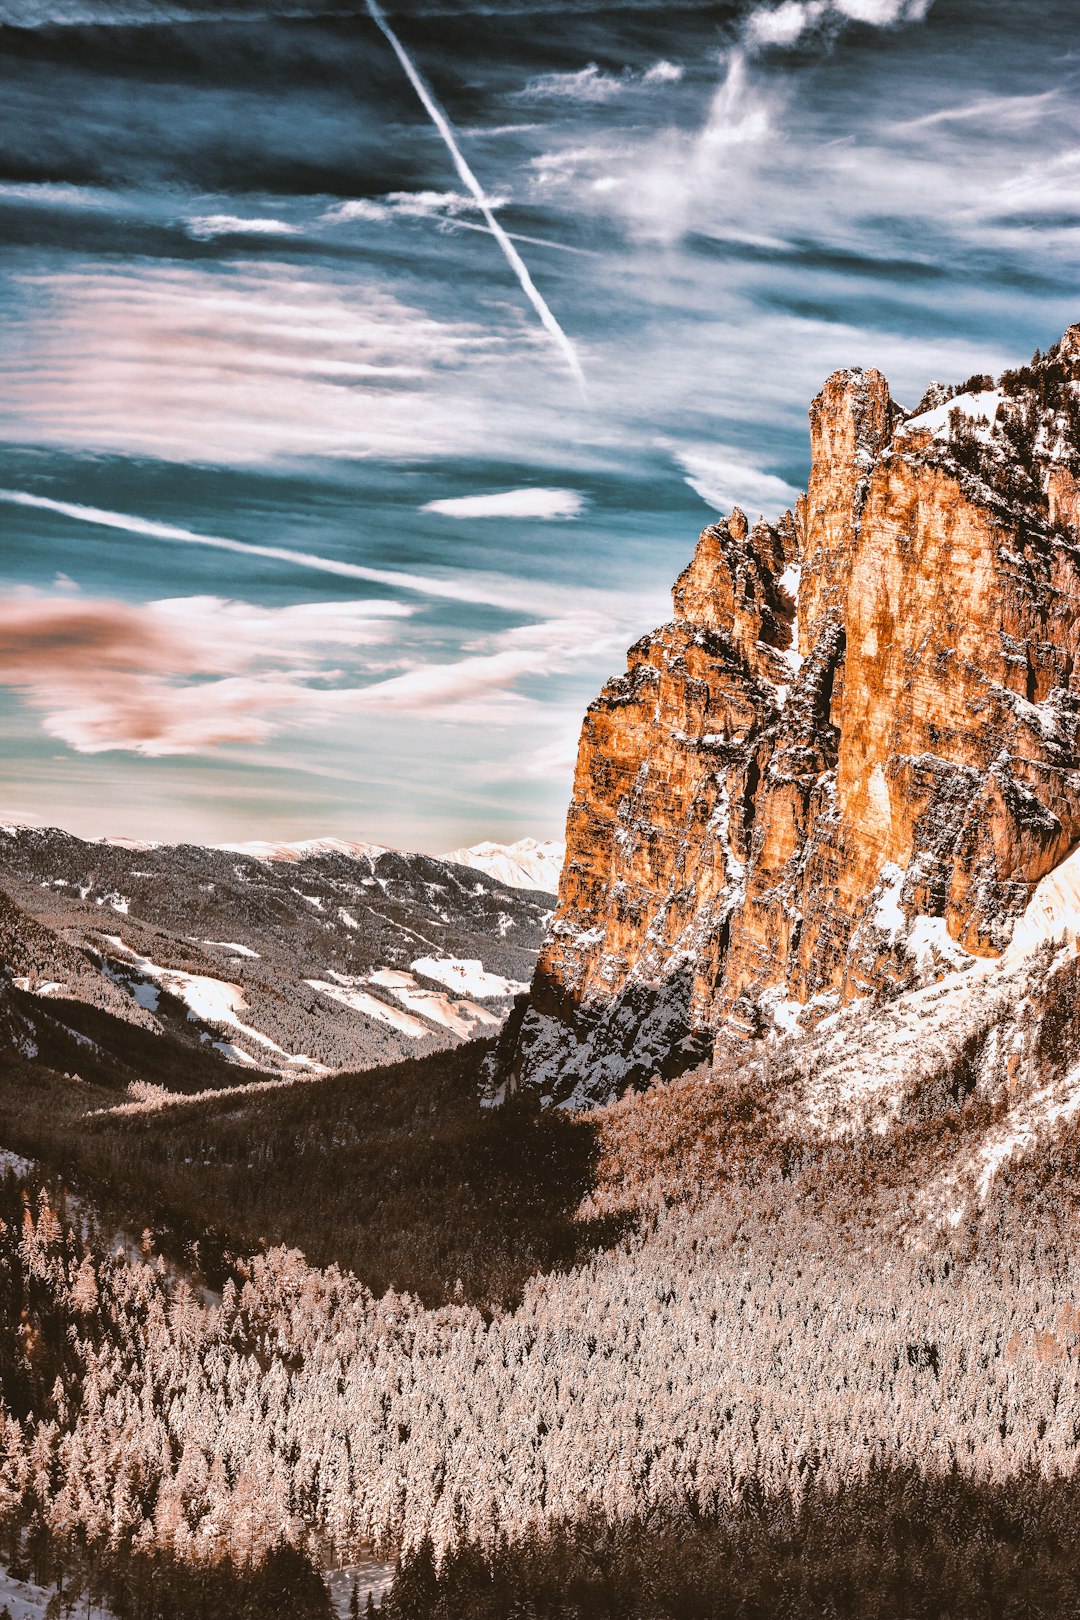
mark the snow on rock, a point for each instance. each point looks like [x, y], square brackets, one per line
[860, 1063]
[1053, 912]
[467, 975]
[929, 942]
[888, 913]
[531, 863]
[230, 945]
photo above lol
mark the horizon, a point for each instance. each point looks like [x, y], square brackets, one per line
[308, 528]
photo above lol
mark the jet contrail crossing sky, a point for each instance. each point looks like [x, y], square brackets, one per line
[513, 257]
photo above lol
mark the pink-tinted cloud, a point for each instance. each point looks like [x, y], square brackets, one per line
[175, 677]
[187, 675]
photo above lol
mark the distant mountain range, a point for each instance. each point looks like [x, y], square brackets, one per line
[292, 958]
[529, 864]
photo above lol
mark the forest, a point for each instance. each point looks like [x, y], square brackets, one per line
[640, 1360]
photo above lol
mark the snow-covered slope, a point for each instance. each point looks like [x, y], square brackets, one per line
[1000, 1027]
[303, 957]
[531, 863]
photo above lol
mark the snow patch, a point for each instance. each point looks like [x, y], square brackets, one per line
[45, 987]
[362, 1002]
[467, 975]
[212, 1001]
[888, 914]
[1053, 912]
[980, 411]
[25, 1601]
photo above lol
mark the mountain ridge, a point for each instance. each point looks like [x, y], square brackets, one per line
[325, 956]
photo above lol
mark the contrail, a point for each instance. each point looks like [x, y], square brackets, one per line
[513, 257]
[493, 594]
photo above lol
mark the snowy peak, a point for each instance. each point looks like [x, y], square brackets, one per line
[531, 863]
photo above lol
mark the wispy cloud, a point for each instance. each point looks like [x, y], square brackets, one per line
[440, 205]
[253, 361]
[588, 84]
[193, 674]
[204, 227]
[591, 85]
[723, 480]
[471, 688]
[512, 503]
[481, 589]
[994, 111]
[175, 677]
[49, 194]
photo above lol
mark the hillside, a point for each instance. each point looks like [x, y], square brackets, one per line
[293, 960]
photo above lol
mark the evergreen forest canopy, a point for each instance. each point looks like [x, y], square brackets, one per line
[734, 1382]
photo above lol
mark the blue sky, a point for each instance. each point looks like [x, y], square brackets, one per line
[308, 526]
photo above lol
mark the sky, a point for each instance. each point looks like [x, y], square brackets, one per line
[368, 373]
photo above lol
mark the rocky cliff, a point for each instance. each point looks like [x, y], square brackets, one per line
[845, 763]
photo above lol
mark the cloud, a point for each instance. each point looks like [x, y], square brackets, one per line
[784, 25]
[592, 86]
[480, 686]
[203, 227]
[588, 84]
[248, 361]
[192, 674]
[52, 195]
[485, 590]
[716, 473]
[179, 676]
[1012, 112]
[441, 205]
[669, 182]
[512, 503]
[663, 72]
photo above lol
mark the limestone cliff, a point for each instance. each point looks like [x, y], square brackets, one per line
[849, 757]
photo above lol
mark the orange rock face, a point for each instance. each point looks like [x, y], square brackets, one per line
[790, 801]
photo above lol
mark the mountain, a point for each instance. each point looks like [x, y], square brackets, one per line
[290, 959]
[843, 766]
[531, 863]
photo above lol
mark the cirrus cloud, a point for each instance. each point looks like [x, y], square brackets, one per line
[512, 503]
